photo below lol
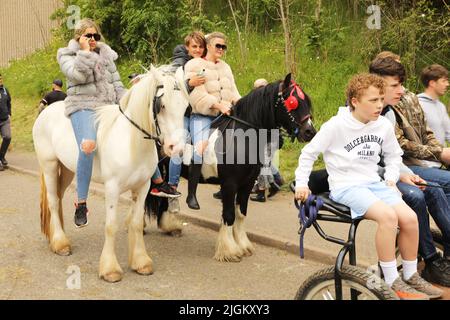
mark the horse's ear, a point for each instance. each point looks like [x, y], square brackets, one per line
[287, 81]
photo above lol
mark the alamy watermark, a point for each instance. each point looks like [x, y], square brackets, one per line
[374, 20]
[75, 16]
[73, 282]
[235, 146]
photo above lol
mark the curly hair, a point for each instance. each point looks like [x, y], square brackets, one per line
[360, 83]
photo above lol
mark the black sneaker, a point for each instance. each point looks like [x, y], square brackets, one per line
[437, 271]
[273, 189]
[1, 167]
[260, 196]
[4, 162]
[164, 190]
[81, 214]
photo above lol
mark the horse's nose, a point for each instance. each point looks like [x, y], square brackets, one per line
[309, 134]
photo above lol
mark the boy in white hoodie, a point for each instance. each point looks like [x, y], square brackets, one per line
[352, 143]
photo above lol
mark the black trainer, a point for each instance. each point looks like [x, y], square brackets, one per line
[4, 162]
[81, 214]
[164, 190]
[260, 196]
[273, 189]
[437, 271]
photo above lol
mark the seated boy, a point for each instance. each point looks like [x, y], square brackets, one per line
[352, 143]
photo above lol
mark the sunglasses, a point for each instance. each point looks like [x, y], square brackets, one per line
[221, 46]
[96, 36]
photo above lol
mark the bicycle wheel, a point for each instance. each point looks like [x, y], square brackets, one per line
[368, 286]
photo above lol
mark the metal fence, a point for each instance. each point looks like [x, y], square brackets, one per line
[25, 26]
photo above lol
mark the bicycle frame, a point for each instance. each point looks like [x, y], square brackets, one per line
[349, 245]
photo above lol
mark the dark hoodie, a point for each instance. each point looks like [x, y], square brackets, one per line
[180, 56]
[5, 103]
[179, 59]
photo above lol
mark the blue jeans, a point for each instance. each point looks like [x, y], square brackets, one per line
[157, 175]
[435, 201]
[439, 176]
[199, 126]
[83, 124]
[176, 162]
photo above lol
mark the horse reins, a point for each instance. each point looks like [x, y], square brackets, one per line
[156, 110]
[148, 136]
[307, 215]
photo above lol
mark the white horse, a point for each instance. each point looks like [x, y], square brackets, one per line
[123, 161]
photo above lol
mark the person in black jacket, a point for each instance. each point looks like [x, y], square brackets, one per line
[5, 123]
[194, 47]
[55, 95]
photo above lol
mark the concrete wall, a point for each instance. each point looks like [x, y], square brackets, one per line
[25, 26]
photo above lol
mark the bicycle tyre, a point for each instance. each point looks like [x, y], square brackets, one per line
[353, 277]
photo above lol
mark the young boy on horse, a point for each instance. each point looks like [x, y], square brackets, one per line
[352, 143]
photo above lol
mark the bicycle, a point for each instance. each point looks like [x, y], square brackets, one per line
[344, 282]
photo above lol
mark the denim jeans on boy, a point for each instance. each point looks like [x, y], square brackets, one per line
[436, 175]
[436, 201]
[176, 162]
[83, 123]
[199, 127]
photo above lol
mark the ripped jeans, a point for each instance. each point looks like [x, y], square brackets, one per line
[83, 124]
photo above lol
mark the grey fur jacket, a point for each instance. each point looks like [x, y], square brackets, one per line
[92, 77]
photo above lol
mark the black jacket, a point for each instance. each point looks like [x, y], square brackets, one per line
[5, 103]
[180, 56]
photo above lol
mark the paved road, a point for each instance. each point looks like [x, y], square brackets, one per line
[184, 268]
[273, 223]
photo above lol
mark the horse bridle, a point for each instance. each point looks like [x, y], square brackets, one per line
[280, 103]
[156, 110]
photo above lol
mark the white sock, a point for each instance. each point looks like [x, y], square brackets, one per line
[409, 268]
[389, 271]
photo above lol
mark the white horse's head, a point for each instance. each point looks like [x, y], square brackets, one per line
[169, 105]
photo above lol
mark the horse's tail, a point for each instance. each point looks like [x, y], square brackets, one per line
[45, 210]
[155, 206]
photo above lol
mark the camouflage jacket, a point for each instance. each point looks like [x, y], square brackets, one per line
[414, 136]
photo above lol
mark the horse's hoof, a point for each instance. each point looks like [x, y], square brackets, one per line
[112, 277]
[228, 258]
[175, 233]
[145, 271]
[64, 252]
[248, 253]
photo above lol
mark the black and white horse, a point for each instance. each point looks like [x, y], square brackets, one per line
[238, 144]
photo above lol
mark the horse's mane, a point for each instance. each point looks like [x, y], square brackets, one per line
[137, 103]
[257, 107]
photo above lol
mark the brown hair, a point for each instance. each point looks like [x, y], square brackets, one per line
[83, 25]
[198, 37]
[388, 67]
[360, 83]
[388, 54]
[215, 35]
[433, 73]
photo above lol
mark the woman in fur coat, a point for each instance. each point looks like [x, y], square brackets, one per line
[215, 96]
[93, 81]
